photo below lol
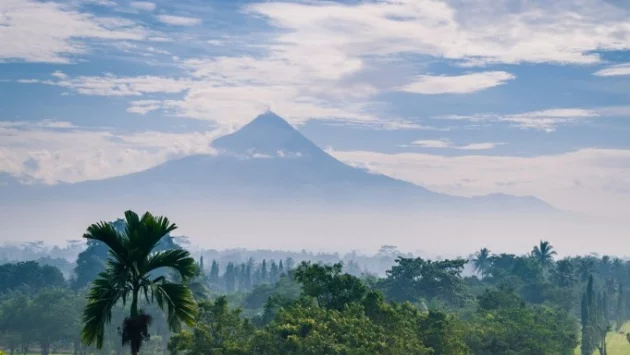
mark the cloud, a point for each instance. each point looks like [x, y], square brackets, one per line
[53, 151]
[440, 143]
[143, 107]
[460, 84]
[49, 32]
[500, 32]
[480, 146]
[545, 120]
[111, 85]
[445, 143]
[600, 176]
[179, 20]
[615, 70]
[232, 91]
[143, 5]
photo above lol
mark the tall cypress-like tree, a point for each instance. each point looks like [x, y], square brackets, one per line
[274, 273]
[229, 277]
[214, 273]
[587, 347]
[588, 319]
[621, 307]
[263, 272]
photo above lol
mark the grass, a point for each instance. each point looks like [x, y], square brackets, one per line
[617, 344]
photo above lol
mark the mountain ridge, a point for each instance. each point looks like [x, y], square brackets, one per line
[270, 162]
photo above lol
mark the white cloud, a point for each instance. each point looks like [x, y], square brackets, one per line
[445, 143]
[111, 85]
[179, 20]
[143, 5]
[545, 120]
[599, 176]
[440, 143]
[459, 84]
[160, 39]
[480, 146]
[59, 75]
[143, 107]
[36, 31]
[499, 32]
[43, 151]
[615, 70]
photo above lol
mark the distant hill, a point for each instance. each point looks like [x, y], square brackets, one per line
[268, 162]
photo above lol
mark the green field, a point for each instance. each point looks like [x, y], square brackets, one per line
[617, 343]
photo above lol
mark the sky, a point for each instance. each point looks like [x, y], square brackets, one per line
[526, 97]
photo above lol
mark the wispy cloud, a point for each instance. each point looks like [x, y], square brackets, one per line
[111, 85]
[498, 33]
[615, 70]
[143, 5]
[179, 20]
[545, 120]
[36, 31]
[433, 143]
[53, 151]
[445, 143]
[458, 84]
[599, 176]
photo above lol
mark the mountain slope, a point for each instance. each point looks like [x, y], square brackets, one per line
[268, 162]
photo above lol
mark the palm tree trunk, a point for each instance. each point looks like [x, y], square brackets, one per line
[134, 313]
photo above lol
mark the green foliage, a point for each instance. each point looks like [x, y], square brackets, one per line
[217, 331]
[328, 285]
[129, 275]
[29, 276]
[303, 329]
[414, 279]
[504, 324]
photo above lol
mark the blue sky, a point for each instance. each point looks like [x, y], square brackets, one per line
[467, 98]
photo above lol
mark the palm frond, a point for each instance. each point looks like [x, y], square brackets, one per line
[103, 295]
[178, 260]
[106, 233]
[146, 232]
[178, 302]
[156, 229]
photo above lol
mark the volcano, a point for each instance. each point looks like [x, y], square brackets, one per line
[265, 163]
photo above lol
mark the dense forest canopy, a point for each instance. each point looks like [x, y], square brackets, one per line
[302, 303]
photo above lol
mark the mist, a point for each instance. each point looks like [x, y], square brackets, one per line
[329, 229]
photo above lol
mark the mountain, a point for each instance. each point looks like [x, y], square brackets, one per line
[265, 163]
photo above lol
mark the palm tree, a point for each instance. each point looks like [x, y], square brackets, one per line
[565, 273]
[586, 267]
[481, 262]
[544, 253]
[131, 273]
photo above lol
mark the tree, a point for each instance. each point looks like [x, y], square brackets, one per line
[129, 274]
[481, 262]
[217, 331]
[504, 324]
[90, 263]
[586, 268]
[214, 273]
[621, 308]
[53, 318]
[564, 274]
[412, 279]
[328, 285]
[29, 276]
[544, 253]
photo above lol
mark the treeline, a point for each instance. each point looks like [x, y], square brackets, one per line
[513, 304]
